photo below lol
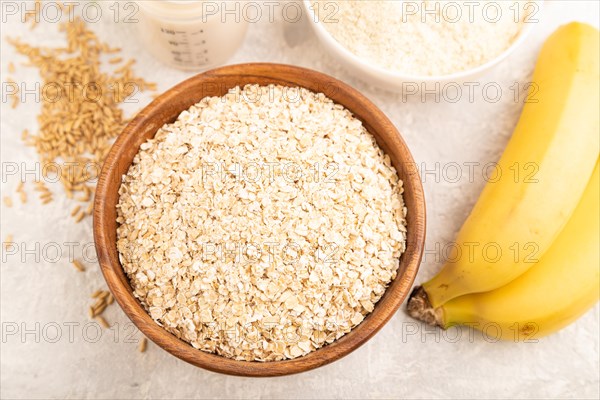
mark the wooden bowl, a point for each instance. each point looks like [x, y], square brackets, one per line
[217, 82]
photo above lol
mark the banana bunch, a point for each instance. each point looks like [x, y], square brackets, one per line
[527, 259]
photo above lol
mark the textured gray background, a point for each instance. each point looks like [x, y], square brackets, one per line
[403, 360]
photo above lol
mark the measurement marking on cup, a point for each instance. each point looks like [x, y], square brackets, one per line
[177, 32]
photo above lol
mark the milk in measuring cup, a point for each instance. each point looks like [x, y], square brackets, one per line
[190, 35]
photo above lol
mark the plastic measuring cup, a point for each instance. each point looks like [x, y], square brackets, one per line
[190, 35]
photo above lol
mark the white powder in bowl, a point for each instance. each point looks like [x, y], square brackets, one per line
[425, 37]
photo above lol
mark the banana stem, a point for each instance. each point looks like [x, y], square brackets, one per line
[419, 307]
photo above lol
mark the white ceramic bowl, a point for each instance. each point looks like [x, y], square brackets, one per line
[396, 80]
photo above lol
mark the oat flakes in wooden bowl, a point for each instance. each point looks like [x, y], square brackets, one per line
[259, 220]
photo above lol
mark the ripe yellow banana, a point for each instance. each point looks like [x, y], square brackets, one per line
[544, 171]
[553, 293]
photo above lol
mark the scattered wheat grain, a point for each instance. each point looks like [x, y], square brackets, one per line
[46, 195]
[75, 210]
[102, 321]
[85, 197]
[78, 265]
[73, 129]
[99, 307]
[8, 241]
[90, 208]
[143, 345]
[79, 217]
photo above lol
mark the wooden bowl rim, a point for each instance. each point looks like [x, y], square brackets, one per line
[118, 283]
